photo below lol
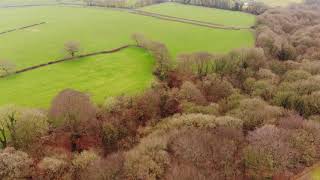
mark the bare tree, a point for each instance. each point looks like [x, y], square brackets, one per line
[75, 111]
[72, 47]
[6, 67]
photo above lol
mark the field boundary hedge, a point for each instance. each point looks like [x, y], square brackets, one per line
[68, 59]
[21, 28]
[149, 14]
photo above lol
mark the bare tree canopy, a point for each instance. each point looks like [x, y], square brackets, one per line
[72, 47]
[6, 67]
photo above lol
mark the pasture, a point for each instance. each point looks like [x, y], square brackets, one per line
[126, 72]
[211, 15]
[96, 29]
[275, 3]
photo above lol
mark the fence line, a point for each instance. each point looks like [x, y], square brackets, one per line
[21, 28]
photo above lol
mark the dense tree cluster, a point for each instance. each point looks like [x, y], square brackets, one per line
[249, 114]
[290, 33]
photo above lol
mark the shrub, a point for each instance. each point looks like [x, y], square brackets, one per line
[148, 160]
[296, 75]
[110, 135]
[110, 167]
[231, 102]
[263, 88]
[15, 165]
[191, 108]
[191, 93]
[212, 153]
[312, 104]
[54, 168]
[267, 153]
[267, 74]
[312, 67]
[81, 163]
[180, 171]
[255, 113]
[215, 88]
[30, 126]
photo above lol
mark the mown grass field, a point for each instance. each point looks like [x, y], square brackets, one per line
[96, 29]
[126, 72]
[212, 15]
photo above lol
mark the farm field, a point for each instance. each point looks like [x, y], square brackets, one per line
[100, 29]
[280, 2]
[96, 29]
[211, 15]
[128, 71]
[316, 174]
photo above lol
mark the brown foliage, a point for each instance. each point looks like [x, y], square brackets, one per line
[15, 165]
[72, 47]
[74, 112]
[214, 154]
[290, 33]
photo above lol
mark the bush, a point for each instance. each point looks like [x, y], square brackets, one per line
[191, 93]
[255, 113]
[267, 74]
[263, 88]
[110, 135]
[267, 153]
[54, 168]
[215, 88]
[295, 75]
[231, 102]
[312, 67]
[191, 108]
[212, 153]
[84, 165]
[108, 168]
[148, 160]
[30, 126]
[15, 165]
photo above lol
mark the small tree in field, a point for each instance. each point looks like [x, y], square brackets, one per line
[6, 67]
[72, 47]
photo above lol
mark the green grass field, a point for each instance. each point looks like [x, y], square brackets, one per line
[126, 72]
[316, 174]
[274, 3]
[99, 29]
[96, 29]
[212, 15]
